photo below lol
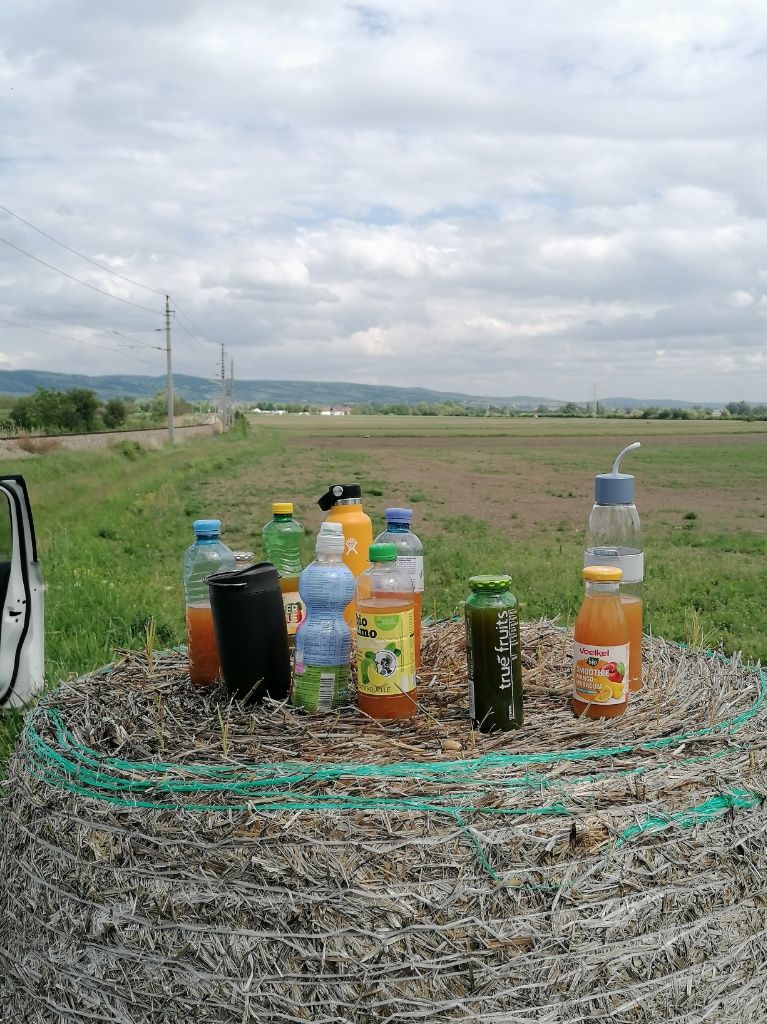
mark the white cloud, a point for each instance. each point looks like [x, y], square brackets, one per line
[496, 199]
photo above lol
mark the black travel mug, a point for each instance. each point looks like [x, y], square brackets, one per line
[251, 633]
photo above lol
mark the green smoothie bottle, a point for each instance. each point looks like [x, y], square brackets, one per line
[493, 654]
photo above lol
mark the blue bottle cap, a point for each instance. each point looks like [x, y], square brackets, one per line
[615, 488]
[206, 527]
[403, 516]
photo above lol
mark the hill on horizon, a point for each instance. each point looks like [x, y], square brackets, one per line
[318, 393]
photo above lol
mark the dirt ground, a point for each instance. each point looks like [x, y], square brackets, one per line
[514, 480]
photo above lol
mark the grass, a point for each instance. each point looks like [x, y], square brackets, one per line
[488, 496]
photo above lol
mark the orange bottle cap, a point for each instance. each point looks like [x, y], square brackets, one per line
[602, 574]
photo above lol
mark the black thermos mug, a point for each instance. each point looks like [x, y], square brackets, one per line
[251, 633]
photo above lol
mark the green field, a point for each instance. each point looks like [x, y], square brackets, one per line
[489, 495]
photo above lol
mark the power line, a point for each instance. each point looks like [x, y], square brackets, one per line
[82, 256]
[76, 341]
[85, 284]
[189, 320]
[75, 323]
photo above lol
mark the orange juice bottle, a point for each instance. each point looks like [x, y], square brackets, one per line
[385, 630]
[409, 557]
[206, 556]
[614, 537]
[601, 648]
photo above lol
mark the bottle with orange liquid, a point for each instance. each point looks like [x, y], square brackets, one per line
[601, 648]
[207, 555]
[409, 558]
[614, 537]
[385, 630]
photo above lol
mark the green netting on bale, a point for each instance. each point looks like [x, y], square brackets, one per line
[169, 857]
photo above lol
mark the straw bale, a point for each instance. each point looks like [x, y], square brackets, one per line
[167, 856]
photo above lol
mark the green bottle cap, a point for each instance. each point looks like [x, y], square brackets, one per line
[382, 552]
[489, 582]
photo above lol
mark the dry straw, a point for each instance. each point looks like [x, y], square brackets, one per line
[168, 858]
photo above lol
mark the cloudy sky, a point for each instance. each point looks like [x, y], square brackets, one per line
[500, 198]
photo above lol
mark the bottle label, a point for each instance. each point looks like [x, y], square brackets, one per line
[319, 687]
[470, 665]
[413, 566]
[631, 564]
[493, 664]
[600, 673]
[385, 653]
[294, 611]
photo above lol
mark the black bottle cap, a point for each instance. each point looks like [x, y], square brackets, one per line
[338, 492]
[256, 579]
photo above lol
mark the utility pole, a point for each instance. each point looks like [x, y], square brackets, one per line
[231, 392]
[595, 409]
[223, 388]
[169, 371]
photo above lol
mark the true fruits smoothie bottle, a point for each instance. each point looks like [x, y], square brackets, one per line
[493, 654]
[385, 634]
[601, 647]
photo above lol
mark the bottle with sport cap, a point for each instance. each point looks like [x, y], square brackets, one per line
[385, 625]
[282, 538]
[323, 640]
[601, 646]
[343, 503]
[207, 555]
[409, 558]
[614, 537]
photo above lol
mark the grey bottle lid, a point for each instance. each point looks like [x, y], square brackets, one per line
[616, 488]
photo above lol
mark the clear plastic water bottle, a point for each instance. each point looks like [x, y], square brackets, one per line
[614, 537]
[206, 556]
[409, 557]
[323, 640]
[282, 538]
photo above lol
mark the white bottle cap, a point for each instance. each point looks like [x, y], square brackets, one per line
[330, 539]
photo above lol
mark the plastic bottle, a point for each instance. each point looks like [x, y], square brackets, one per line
[493, 654]
[614, 537]
[207, 555]
[323, 640]
[385, 624]
[244, 559]
[409, 558]
[601, 647]
[282, 538]
[343, 503]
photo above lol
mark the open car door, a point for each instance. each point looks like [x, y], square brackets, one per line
[21, 598]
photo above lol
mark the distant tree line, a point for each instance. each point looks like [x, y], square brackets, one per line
[286, 406]
[733, 410]
[81, 411]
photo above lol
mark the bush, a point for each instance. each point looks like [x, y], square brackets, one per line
[130, 450]
[115, 413]
[74, 410]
